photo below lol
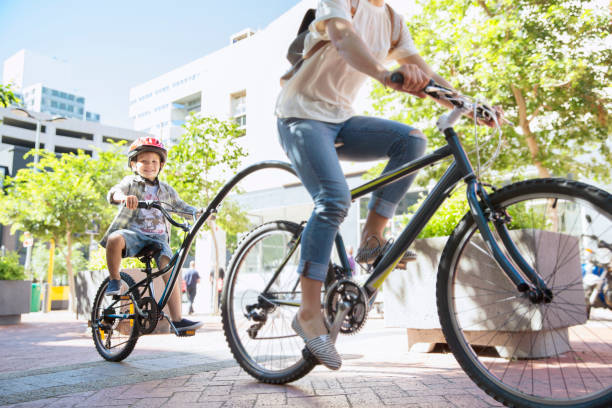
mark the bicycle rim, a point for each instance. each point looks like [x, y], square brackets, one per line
[258, 325]
[114, 337]
[545, 354]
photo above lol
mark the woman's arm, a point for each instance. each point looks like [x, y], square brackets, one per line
[352, 48]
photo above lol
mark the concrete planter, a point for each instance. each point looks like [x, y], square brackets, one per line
[15, 298]
[410, 298]
[88, 282]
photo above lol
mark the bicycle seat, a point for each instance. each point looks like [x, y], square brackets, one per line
[149, 251]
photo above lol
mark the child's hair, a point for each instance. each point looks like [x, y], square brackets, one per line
[147, 144]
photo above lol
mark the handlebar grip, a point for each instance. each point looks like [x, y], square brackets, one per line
[397, 78]
[145, 204]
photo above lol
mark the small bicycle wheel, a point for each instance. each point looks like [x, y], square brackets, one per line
[258, 304]
[114, 337]
[524, 352]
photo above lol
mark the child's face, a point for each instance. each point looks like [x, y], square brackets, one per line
[147, 164]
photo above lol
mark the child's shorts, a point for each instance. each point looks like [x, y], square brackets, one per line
[135, 241]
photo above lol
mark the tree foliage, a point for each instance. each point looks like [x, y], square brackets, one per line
[545, 62]
[206, 156]
[58, 197]
[7, 97]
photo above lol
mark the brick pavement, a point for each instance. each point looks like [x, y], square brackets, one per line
[51, 362]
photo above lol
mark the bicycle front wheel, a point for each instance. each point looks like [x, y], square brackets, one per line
[114, 334]
[525, 353]
[260, 298]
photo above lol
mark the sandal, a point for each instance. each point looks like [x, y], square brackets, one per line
[321, 347]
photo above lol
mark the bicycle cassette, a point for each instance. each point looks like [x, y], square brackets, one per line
[347, 290]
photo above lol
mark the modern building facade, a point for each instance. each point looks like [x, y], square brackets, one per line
[44, 84]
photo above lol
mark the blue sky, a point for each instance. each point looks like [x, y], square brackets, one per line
[119, 44]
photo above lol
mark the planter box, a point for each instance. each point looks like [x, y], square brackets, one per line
[15, 299]
[88, 282]
[410, 297]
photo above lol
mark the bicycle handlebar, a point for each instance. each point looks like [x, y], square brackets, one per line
[148, 204]
[437, 91]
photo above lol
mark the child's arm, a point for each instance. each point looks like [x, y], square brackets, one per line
[119, 193]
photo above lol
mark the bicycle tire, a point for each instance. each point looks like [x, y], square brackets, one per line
[520, 353]
[125, 331]
[273, 352]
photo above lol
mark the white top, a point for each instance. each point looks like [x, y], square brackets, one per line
[149, 221]
[325, 86]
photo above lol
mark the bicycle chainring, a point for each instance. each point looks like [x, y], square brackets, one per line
[149, 323]
[347, 290]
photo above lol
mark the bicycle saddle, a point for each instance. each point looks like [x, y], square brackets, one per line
[149, 251]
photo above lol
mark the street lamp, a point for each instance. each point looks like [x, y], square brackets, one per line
[39, 121]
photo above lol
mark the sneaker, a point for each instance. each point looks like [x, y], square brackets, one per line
[184, 325]
[113, 288]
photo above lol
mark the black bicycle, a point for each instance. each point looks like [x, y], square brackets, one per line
[117, 321]
[509, 290]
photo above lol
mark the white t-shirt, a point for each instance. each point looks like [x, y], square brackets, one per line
[149, 221]
[325, 86]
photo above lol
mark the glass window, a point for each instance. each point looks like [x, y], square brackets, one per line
[62, 105]
[80, 111]
[53, 104]
[80, 100]
[70, 108]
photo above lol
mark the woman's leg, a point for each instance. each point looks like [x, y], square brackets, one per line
[310, 147]
[366, 139]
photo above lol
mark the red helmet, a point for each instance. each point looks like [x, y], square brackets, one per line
[147, 144]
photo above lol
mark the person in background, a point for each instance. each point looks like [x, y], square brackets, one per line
[192, 278]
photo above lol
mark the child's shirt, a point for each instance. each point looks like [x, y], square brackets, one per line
[137, 220]
[149, 221]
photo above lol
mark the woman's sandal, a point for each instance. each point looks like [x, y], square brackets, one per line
[368, 255]
[321, 347]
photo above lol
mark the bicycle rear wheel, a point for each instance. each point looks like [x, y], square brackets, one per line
[257, 306]
[114, 337]
[520, 352]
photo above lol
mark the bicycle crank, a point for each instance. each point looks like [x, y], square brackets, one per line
[345, 308]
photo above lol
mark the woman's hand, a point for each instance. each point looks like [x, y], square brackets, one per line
[415, 80]
[499, 112]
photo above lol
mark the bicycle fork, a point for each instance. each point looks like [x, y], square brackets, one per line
[515, 267]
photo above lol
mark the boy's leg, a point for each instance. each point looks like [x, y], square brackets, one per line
[114, 249]
[174, 302]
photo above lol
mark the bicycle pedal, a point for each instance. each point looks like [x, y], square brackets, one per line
[186, 333]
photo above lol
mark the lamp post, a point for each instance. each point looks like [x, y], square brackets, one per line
[39, 121]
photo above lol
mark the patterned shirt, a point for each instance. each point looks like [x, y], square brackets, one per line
[135, 185]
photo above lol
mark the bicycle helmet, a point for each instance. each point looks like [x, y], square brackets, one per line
[147, 144]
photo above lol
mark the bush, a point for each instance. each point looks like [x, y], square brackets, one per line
[445, 219]
[10, 269]
[97, 261]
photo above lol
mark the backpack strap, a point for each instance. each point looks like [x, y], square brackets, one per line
[392, 18]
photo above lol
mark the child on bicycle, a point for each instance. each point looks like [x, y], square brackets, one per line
[134, 228]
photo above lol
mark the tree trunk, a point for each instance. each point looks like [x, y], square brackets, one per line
[212, 226]
[71, 284]
[532, 143]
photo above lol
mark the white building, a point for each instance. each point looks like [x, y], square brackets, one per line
[45, 84]
[64, 136]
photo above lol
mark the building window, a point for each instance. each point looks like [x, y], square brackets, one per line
[53, 104]
[238, 109]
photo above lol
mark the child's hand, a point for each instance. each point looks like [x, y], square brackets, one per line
[131, 202]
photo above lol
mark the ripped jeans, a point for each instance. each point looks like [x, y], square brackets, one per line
[310, 146]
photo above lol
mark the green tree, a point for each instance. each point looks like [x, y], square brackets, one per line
[545, 61]
[7, 97]
[207, 155]
[58, 197]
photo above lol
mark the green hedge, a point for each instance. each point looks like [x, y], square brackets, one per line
[10, 269]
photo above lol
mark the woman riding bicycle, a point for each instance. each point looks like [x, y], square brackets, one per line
[315, 115]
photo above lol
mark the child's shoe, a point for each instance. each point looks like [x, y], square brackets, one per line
[113, 288]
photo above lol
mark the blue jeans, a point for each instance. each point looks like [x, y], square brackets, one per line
[135, 241]
[309, 144]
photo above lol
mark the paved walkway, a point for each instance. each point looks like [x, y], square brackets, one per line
[49, 360]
